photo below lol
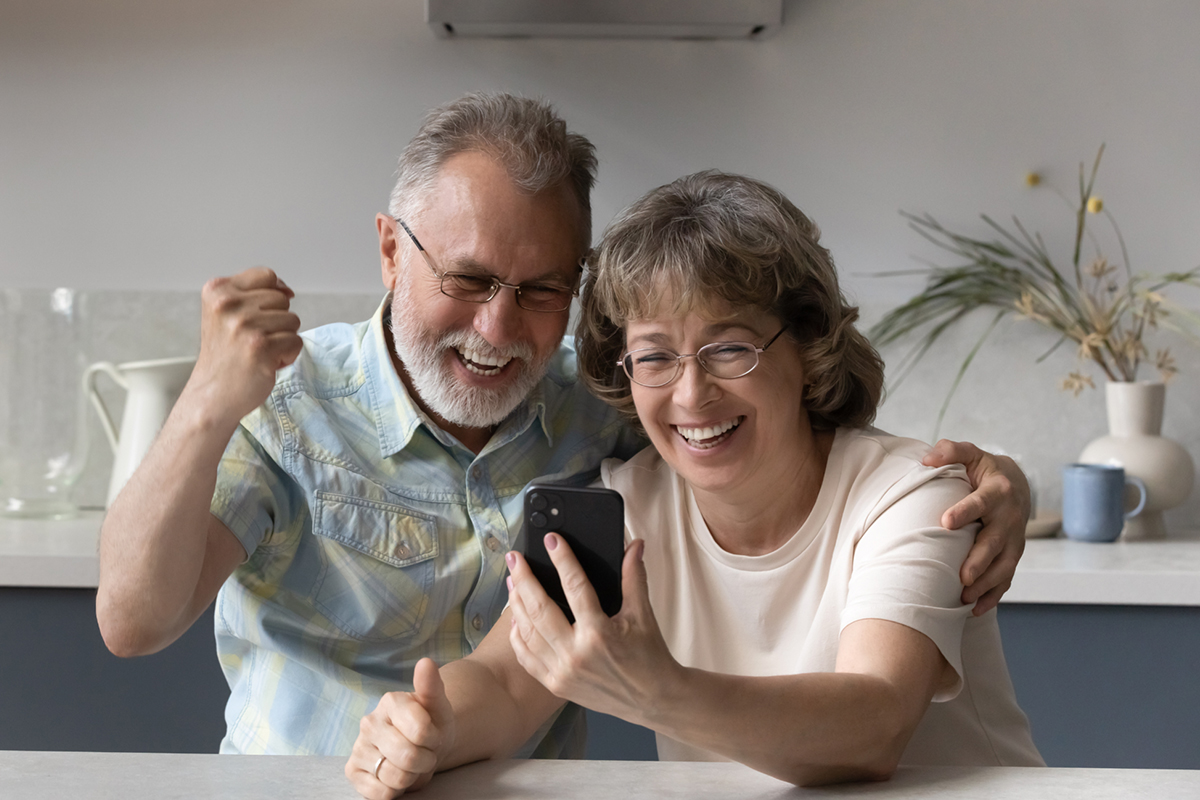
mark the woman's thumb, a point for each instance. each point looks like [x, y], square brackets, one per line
[634, 585]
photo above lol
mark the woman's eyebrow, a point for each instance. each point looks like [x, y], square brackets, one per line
[718, 328]
[715, 329]
[655, 338]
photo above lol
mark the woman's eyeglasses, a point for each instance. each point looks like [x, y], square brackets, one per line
[658, 366]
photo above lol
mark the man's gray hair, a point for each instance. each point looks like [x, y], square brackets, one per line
[527, 137]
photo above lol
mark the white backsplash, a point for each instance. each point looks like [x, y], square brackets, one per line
[134, 326]
[1007, 402]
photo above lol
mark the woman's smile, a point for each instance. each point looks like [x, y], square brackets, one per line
[707, 436]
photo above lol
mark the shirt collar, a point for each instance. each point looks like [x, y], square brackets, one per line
[533, 407]
[397, 417]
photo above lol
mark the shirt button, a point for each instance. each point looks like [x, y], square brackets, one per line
[403, 551]
[493, 543]
[477, 622]
[477, 472]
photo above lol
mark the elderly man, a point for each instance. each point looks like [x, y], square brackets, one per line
[347, 496]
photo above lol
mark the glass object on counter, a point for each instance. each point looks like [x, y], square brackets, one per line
[43, 433]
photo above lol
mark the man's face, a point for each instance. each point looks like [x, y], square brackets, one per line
[467, 364]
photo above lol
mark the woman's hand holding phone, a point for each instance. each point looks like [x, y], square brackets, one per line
[617, 665]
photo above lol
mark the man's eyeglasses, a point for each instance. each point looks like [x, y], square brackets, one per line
[480, 288]
[658, 366]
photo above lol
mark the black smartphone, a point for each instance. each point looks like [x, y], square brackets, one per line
[592, 521]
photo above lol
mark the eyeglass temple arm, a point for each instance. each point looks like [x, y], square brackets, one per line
[776, 336]
[408, 230]
[420, 249]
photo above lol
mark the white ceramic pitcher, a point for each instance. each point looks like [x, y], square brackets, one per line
[152, 388]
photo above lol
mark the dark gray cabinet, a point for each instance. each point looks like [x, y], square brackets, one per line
[1104, 686]
[60, 688]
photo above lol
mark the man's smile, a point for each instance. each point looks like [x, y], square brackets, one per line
[483, 364]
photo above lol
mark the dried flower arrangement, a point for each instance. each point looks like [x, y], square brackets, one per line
[1101, 306]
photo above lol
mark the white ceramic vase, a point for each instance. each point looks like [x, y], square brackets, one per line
[1135, 414]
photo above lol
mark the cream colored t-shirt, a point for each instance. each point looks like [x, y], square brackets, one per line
[872, 548]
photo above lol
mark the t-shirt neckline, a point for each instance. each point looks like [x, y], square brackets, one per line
[793, 547]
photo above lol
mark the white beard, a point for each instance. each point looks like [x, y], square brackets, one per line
[424, 354]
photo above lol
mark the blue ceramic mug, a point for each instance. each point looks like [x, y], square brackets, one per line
[1094, 501]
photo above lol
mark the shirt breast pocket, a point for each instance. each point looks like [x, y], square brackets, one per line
[377, 565]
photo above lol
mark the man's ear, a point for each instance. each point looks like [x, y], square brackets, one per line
[390, 270]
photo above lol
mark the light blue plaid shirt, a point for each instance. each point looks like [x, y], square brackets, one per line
[375, 538]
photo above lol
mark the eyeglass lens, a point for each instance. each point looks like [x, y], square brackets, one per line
[657, 367]
[482, 288]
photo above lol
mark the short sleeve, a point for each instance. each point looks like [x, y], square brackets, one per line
[906, 569]
[254, 497]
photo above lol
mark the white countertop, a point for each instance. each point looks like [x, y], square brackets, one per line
[134, 776]
[1161, 573]
[51, 553]
[62, 553]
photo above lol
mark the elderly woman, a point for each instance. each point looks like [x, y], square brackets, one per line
[791, 600]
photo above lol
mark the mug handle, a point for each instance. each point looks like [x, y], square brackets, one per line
[89, 387]
[1136, 481]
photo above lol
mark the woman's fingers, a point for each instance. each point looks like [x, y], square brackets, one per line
[610, 665]
[537, 609]
[533, 653]
[527, 627]
[548, 647]
[580, 594]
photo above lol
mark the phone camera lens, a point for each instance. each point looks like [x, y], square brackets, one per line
[537, 519]
[537, 502]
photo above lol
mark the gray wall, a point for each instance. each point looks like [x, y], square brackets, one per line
[147, 146]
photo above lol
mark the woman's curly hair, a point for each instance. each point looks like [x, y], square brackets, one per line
[710, 240]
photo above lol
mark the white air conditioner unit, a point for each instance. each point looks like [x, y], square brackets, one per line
[605, 19]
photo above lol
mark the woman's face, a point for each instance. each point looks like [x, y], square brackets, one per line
[723, 433]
